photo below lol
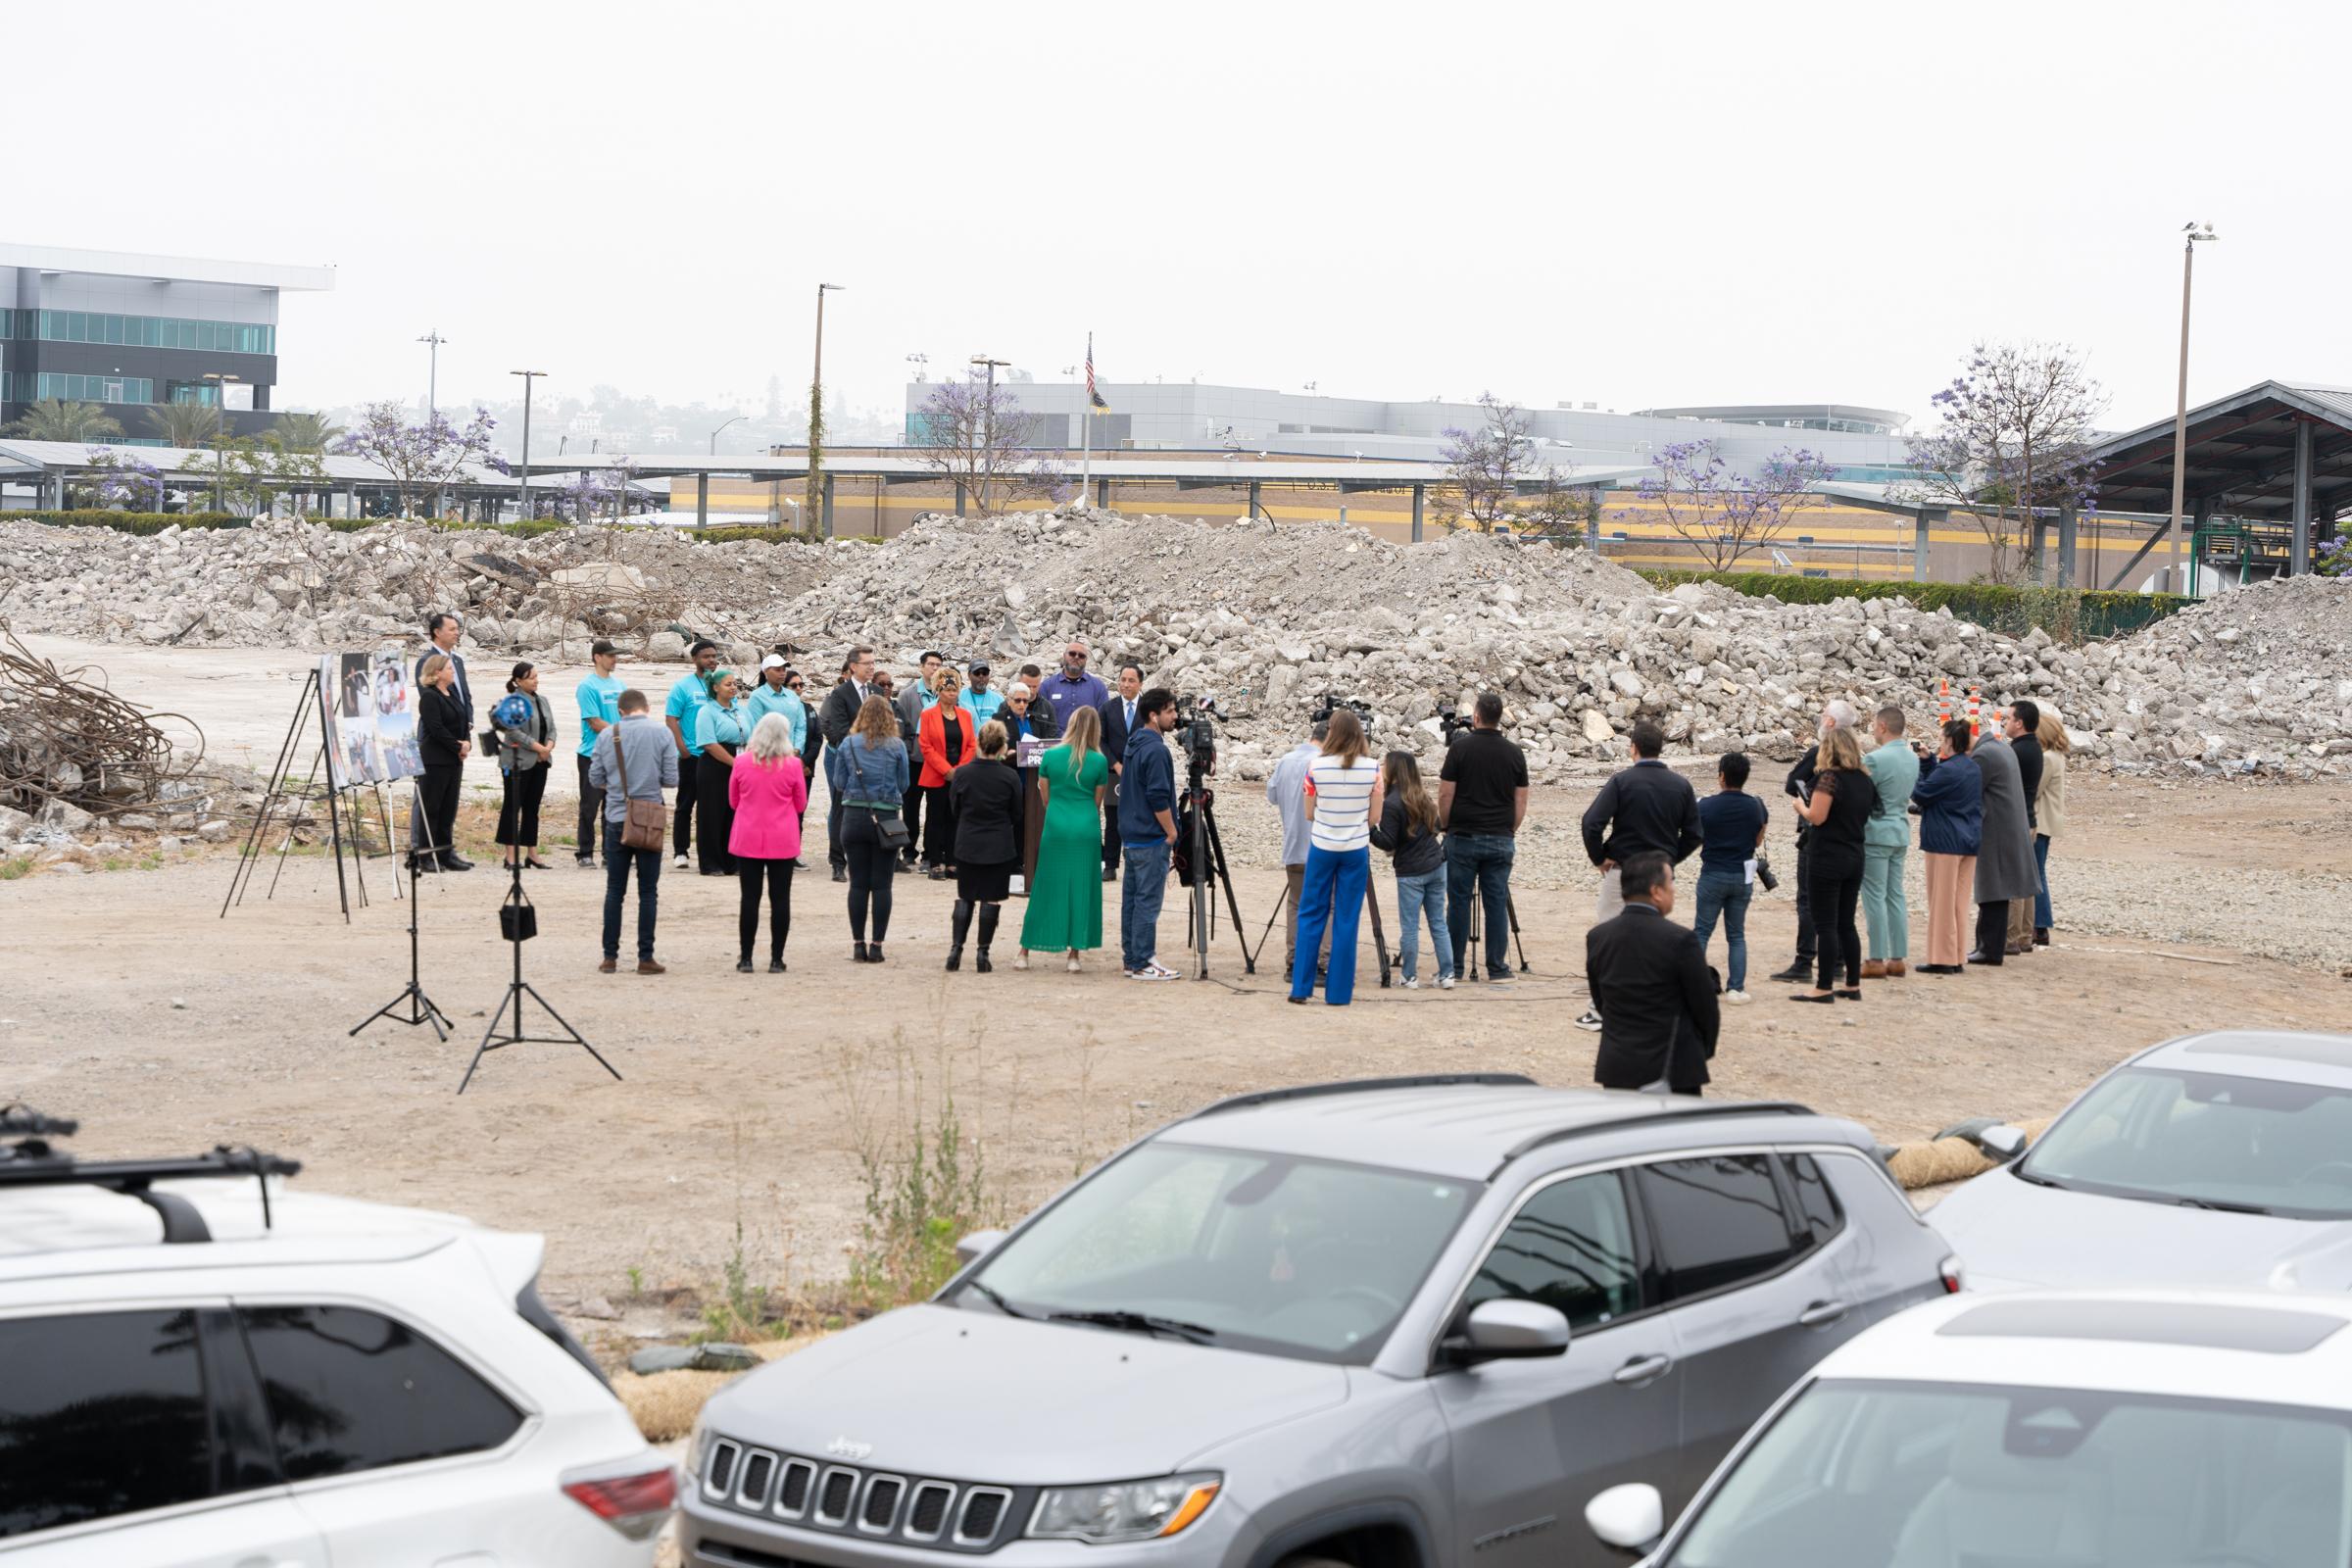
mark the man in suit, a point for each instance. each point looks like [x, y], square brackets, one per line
[1119, 721]
[2004, 847]
[1651, 982]
[443, 631]
[833, 722]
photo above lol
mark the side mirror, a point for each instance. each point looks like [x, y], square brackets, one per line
[977, 1246]
[1629, 1517]
[2002, 1143]
[1512, 1330]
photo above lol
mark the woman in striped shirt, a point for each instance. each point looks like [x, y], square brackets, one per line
[1342, 796]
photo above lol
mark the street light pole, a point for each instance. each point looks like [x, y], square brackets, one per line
[219, 380]
[714, 434]
[814, 509]
[2190, 235]
[988, 426]
[432, 382]
[528, 377]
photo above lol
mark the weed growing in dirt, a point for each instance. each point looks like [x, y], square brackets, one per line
[13, 869]
[636, 1280]
[925, 1182]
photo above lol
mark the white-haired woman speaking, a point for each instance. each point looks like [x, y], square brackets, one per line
[767, 793]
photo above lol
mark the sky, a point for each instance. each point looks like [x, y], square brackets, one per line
[1633, 206]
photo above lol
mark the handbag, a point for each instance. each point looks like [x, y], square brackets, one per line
[891, 830]
[642, 822]
[517, 917]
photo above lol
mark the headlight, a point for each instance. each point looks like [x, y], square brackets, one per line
[1124, 1510]
[694, 1446]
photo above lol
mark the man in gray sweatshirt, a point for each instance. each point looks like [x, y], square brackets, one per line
[640, 750]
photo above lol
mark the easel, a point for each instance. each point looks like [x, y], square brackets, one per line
[296, 802]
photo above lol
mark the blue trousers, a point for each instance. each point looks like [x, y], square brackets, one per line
[2042, 881]
[618, 858]
[1415, 894]
[1140, 892]
[1725, 893]
[1333, 894]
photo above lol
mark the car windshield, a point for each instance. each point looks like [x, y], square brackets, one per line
[2205, 1139]
[1890, 1475]
[1303, 1258]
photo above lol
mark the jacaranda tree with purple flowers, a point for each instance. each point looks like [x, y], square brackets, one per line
[122, 480]
[424, 459]
[1487, 463]
[2014, 429]
[1724, 513]
[597, 492]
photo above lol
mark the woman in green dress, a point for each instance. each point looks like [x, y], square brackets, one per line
[1065, 902]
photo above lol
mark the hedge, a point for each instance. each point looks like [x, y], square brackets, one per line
[139, 522]
[2069, 615]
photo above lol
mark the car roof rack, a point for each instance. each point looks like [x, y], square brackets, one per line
[1689, 1111]
[1354, 1085]
[33, 1161]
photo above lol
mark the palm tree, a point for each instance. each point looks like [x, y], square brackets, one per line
[186, 424]
[56, 419]
[300, 431]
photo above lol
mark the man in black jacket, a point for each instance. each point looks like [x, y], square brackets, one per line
[1645, 808]
[1650, 980]
[833, 722]
[1120, 721]
[2019, 726]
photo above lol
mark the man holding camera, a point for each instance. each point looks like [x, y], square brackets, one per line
[1481, 799]
[1147, 832]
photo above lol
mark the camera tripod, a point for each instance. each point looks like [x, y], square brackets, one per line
[1207, 861]
[492, 1039]
[1474, 942]
[1380, 936]
[420, 1007]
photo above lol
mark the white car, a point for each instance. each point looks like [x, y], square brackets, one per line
[197, 1367]
[2219, 1159]
[2124, 1429]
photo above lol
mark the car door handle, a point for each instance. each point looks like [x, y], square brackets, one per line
[1641, 1369]
[1821, 1313]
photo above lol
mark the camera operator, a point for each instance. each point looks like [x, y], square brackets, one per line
[1146, 831]
[1481, 799]
[1286, 787]
[1836, 715]
[1119, 723]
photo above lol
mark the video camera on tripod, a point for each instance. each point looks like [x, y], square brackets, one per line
[1331, 705]
[1196, 734]
[1452, 722]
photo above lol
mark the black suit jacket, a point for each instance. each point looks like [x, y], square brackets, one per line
[834, 717]
[464, 694]
[1656, 998]
[1114, 712]
[441, 727]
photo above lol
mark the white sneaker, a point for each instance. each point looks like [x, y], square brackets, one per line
[679, 863]
[1020, 959]
[1412, 985]
[1737, 999]
[1154, 970]
[1445, 982]
[1589, 1021]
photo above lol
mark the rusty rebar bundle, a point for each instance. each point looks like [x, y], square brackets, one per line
[64, 736]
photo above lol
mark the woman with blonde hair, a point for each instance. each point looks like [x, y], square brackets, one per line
[1840, 810]
[767, 793]
[442, 742]
[1066, 898]
[2049, 814]
[869, 774]
[1342, 796]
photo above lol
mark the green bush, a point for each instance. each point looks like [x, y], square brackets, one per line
[740, 534]
[138, 522]
[2069, 615]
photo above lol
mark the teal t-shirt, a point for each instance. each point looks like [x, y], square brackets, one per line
[600, 698]
[723, 726]
[766, 700]
[687, 700]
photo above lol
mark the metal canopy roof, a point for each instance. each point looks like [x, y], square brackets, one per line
[2241, 455]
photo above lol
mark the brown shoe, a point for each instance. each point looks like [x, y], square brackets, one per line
[607, 966]
[649, 966]
[1895, 969]
[1874, 968]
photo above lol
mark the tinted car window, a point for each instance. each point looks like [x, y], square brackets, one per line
[1716, 1220]
[1570, 1246]
[100, 1415]
[350, 1390]
[1818, 1215]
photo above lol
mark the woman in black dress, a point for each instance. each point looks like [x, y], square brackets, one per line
[442, 742]
[1840, 808]
[985, 805]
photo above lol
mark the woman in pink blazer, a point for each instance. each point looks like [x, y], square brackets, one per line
[768, 793]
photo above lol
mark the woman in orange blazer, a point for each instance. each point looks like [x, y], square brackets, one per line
[948, 739]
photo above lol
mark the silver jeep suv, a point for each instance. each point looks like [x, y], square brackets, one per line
[1411, 1323]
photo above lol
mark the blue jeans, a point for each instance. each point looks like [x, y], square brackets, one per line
[1483, 859]
[618, 858]
[1725, 892]
[1333, 894]
[1140, 892]
[1415, 894]
[2042, 881]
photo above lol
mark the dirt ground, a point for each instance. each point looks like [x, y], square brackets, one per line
[134, 1005]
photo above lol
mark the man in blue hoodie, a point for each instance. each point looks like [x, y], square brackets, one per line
[1147, 832]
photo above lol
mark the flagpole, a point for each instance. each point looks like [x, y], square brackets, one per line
[1086, 428]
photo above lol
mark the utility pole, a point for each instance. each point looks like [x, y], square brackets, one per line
[528, 377]
[988, 426]
[813, 510]
[432, 382]
[2190, 235]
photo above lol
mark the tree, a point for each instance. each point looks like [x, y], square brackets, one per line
[2014, 433]
[123, 480]
[1725, 514]
[595, 492]
[57, 419]
[186, 424]
[298, 432]
[979, 438]
[421, 458]
[243, 473]
[1486, 464]
[1559, 512]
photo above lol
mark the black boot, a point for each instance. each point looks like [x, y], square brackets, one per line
[988, 930]
[743, 965]
[857, 953]
[961, 927]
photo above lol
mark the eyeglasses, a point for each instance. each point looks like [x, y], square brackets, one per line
[1078, 653]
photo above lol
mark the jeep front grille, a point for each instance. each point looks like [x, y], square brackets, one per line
[817, 1494]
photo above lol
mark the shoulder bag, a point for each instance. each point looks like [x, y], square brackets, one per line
[642, 822]
[890, 829]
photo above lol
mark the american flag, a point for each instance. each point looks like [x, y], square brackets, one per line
[1094, 399]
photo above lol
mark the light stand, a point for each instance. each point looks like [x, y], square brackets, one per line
[420, 1007]
[517, 990]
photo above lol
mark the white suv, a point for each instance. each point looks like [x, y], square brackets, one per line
[197, 1368]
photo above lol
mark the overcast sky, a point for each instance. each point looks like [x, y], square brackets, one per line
[1633, 205]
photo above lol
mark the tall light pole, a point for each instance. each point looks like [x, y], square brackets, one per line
[219, 380]
[2191, 233]
[815, 507]
[987, 425]
[714, 434]
[432, 375]
[528, 377]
